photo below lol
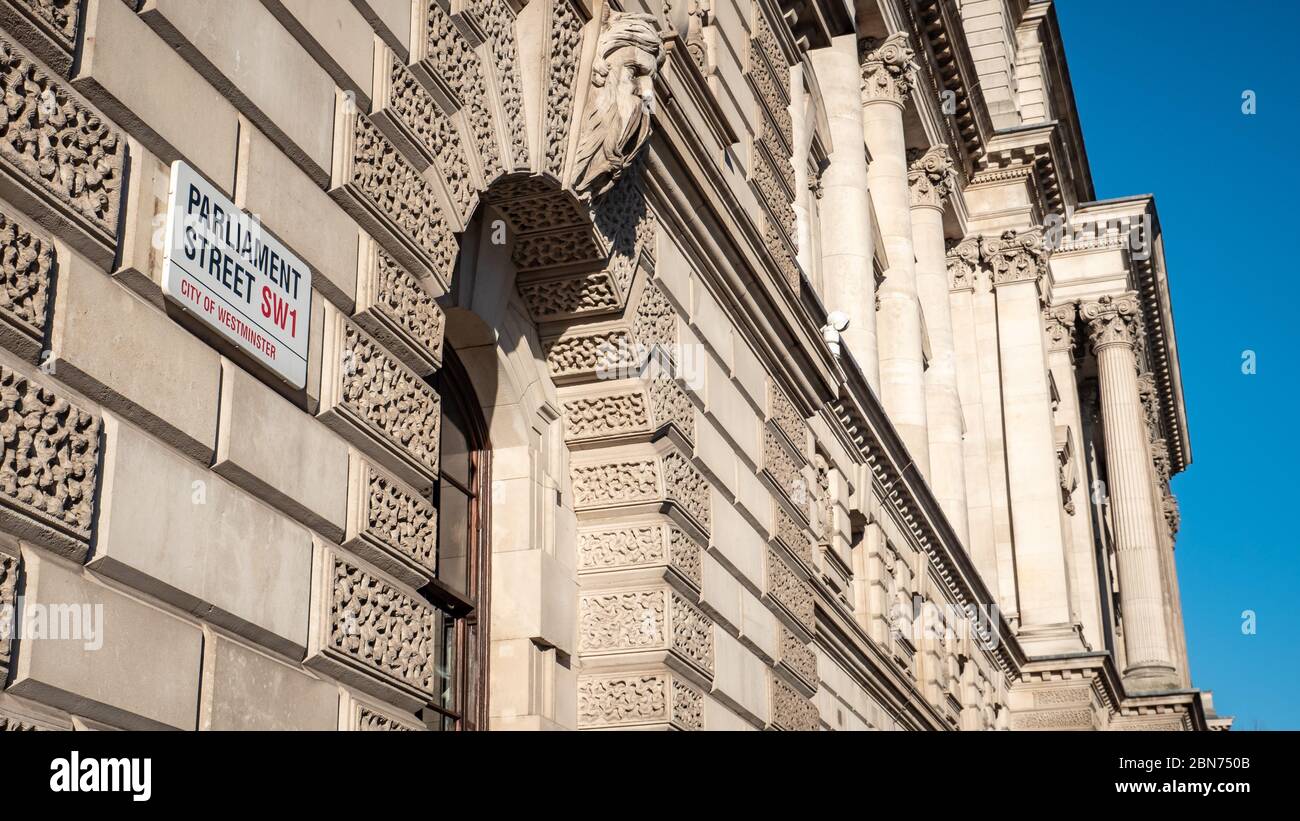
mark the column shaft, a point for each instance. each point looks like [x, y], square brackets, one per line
[845, 213]
[1114, 328]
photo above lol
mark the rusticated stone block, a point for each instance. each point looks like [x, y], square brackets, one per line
[280, 454]
[240, 49]
[47, 27]
[173, 529]
[641, 478]
[792, 594]
[377, 403]
[637, 546]
[790, 709]
[58, 155]
[359, 715]
[648, 699]
[49, 459]
[100, 335]
[27, 265]
[390, 524]
[636, 408]
[398, 310]
[798, 658]
[657, 621]
[373, 633]
[785, 472]
[383, 191]
[244, 689]
[143, 675]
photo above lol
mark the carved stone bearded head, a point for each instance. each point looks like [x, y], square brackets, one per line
[628, 56]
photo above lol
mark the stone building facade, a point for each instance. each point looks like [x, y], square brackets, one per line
[693, 364]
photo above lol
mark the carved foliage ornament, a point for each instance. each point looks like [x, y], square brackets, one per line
[929, 175]
[1113, 320]
[1015, 256]
[1058, 321]
[963, 263]
[628, 56]
[887, 68]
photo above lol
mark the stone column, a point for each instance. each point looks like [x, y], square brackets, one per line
[845, 212]
[963, 269]
[1018, 261]
[1114, 326]
[930, 180]
[886, 81]
[1059, 324]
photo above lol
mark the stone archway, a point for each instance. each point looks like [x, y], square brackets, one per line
[455, 175]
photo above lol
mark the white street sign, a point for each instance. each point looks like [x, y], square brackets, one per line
[219, 265]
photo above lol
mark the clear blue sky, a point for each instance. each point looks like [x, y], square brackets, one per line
[1159, 88]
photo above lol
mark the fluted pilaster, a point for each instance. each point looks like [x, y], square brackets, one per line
[1114, 326]
[1017, 261]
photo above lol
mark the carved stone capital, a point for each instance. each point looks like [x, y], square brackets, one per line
[963, 263]
[887, 67]
[929, 175]
[1015, 256]
[629, 54]
[1058, 322]
[1173, 517]
[1113, 320]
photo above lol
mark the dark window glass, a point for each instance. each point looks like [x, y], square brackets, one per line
[459, 589]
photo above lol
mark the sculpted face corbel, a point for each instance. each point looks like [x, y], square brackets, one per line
[629, 54]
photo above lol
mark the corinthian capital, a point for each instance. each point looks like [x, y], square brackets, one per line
[887, 67]
[1113, 320]
[1058, 321]
[1015, 256]
[963, 262]
[929, 175]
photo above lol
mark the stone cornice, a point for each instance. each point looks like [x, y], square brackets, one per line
[900, 485]
[1113, 320]
[929, 176]
[945, 59]
[888, 68]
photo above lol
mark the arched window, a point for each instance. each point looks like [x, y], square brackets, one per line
[461, 588]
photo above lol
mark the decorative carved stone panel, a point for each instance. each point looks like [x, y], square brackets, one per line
[411, 117]
[1073, 719]
[791, 593]
[599, 354]
[786, 417]
[658, 621]
[640, 545]
[561, 72]
[372, 633]
[497, 22]
[668, 479]
[791, 534]
[797, 657]
[790, 709]
[57, 154]
[357, 715]
[27, 264]
[626, 700]
[446, 61]
[380, 188]
[47, 27]
[398, 310]
[8, 600]
[390, 525]
[655, 404]
[785, 472]
[49, 458]
[378, 404]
